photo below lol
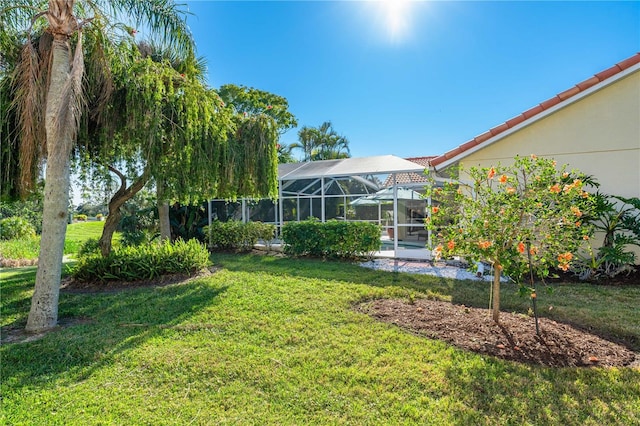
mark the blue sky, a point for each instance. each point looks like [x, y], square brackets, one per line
[411, 78]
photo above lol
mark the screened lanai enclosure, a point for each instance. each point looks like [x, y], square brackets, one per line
[386, 190]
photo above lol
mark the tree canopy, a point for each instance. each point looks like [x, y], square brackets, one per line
[528, 215]
[321, 143]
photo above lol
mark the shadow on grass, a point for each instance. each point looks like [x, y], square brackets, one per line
[559, 305]
[467, 292]
[522, 392]
[112, 324]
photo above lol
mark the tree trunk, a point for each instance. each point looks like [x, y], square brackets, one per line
[497, 272]
[44, 303]
[163, 213]
[121, 196]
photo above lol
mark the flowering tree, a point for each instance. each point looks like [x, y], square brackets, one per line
[529, 214]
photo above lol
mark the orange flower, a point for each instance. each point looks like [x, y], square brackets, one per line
[578, 224]
[565, 257]
[576, 211]
[511, 190]
[435, 209]
[492, 173]
[585, 237]
[565, 175]
[484, 244]
[451, 244]
[521, 247]
[555, 189]
[533, 250]
[437, 252]
[534, 157]
[585, 194]
[503, 179]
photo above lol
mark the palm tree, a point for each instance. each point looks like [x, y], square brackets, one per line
[322, 143]
[51, 91]
[330, 145]
[307, 137]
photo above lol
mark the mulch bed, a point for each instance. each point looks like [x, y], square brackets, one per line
[515, 339]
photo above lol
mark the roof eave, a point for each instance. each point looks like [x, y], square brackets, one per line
[526, 119]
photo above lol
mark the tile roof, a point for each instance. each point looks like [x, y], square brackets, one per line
[533, 112]
[405, 178]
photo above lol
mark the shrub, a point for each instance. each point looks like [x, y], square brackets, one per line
[143, 262]
[334, 238]
[138, 226]
[89, 247]
[237, 236]
[80, 217]
[618, 218]
[29, 209]
[99, 216]
[188, 222]
[15, 227]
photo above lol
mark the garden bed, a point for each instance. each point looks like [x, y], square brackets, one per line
[515, 339]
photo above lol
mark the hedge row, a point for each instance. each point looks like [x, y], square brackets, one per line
[237, 236]
[337, 239]
[143, 262]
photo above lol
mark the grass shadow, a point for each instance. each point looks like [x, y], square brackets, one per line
[113, 324]
[580, 305]
[493, 388]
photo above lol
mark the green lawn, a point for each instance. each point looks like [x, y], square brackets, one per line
[269, 340]
[77, 233]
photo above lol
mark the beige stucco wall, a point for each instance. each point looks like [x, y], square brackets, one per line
[598, 134]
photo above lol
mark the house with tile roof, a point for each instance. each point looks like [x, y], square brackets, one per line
[593, 127]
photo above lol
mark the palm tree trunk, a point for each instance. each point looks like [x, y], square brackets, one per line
[497, 272]
[44, 303]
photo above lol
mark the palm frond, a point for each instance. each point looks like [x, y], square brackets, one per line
[29, 106]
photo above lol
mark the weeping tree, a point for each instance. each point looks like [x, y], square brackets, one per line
[51, 96]
[168, 128]
[250, 102]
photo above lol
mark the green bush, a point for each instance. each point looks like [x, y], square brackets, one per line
[15, 227]
[89, 247]
[80, 217]
[143, 262]
[334, 238]
[29, 209]
[237, 236]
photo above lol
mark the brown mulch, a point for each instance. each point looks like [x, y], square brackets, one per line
[515, 339]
